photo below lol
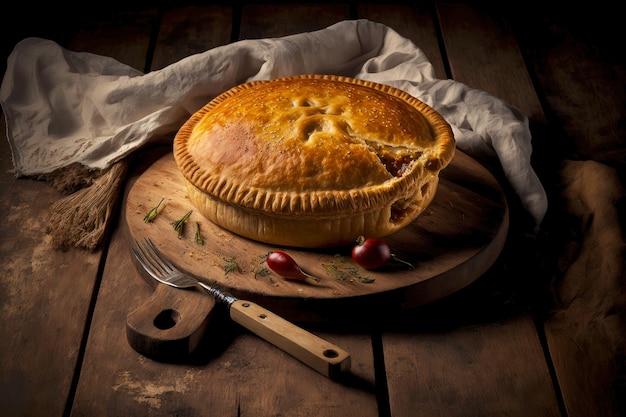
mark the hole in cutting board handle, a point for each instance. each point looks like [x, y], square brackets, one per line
[331, 353]
[166, 319]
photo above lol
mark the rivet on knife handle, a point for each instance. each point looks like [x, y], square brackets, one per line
[314, 351]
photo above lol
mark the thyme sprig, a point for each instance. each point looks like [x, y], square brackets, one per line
[231, 265]
[178, 225]
[152, 213]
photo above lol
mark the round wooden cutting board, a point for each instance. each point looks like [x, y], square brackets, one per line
[456, 239]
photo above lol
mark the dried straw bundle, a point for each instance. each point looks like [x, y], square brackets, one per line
[81, 219]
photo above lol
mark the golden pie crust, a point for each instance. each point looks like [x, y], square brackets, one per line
[313, 161]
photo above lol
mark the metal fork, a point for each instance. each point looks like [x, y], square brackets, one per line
[312, 350]
[162, 270]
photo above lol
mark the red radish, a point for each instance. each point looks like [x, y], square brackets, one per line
[286, 266]
[373, 253]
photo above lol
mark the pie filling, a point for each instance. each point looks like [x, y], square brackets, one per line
[396, 165]
[403, 208]
[396, 159]
[400, 210]
[398, 162]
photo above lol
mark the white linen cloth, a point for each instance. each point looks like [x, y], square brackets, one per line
[63, 107]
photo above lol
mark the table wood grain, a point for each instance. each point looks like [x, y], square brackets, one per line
[490, 349]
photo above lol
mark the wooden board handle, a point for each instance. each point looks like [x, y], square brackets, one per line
[170, 324]
[319, 354]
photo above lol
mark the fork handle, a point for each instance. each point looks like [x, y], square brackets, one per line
[319, 354]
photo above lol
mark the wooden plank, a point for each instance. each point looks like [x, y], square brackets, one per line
[269, 20]
[41, 326]
[122, 34]
[475, 370]
[203, 28]
[482, 54]
[233, 372]
[414, 22]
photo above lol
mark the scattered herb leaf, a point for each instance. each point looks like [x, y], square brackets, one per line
[178, 225]
[363, 279]
[346, 273]
[332, 269]
[231, 265]
[152, 213]
[199, 239]
[263, 272]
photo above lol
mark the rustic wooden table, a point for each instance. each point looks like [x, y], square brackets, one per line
[491, 349]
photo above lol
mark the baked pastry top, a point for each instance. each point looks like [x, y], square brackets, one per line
[313, 161]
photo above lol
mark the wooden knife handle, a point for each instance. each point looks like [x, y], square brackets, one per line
[319, 354]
